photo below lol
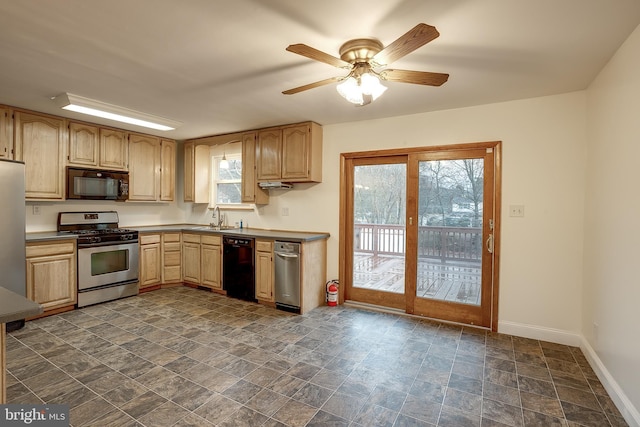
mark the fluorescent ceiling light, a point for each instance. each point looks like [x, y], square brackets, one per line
[79, 104]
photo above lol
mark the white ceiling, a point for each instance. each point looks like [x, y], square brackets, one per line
[220, 66]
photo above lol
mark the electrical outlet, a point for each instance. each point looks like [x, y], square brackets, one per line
[285, 211]
[36, 209]
[516, 210]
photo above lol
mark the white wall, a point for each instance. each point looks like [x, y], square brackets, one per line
[612, 222]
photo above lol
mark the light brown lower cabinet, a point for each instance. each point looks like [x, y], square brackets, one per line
[191, 258]
[51, 275]
[202, 260]
[313, 274]
[171, 258]
[150, 260]
[264, 274]
[211, 261]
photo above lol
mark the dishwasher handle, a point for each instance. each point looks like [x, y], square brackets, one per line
[283, 255]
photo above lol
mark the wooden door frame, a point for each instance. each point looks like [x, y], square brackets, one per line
[345, 240]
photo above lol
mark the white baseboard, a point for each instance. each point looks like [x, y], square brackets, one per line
[540, 333]
[624, 405]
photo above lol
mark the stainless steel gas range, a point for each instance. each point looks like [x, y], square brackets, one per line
[107, 256]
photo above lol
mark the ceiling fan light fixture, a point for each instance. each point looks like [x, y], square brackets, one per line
[350, 90]
[371, 85]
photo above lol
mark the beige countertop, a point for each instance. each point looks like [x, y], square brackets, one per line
[48, 235]
[293, 236]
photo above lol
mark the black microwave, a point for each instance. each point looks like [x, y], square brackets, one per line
[92, 184]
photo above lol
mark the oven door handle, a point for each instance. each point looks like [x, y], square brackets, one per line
[102, 244]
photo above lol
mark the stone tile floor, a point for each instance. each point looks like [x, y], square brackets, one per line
[187, 357]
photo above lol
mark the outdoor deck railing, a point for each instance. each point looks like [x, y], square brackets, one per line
[445, 243]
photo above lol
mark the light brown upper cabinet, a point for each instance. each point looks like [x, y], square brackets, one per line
[114, 149]
[6, 139]
[189, 172]
[290, 153]
[168, 170]
[96, 147]
[269, 154]
[151, 168]
[197, 165]
[41, 144]
[144, 168]
[83, 145]
[251, 192]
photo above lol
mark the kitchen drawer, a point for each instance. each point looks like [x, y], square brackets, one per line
[262, 246]
[211, 240]
[172, 258]
[172, 247]
[39, 249]
[147, 239]
[172, 274]
[171, 237]
[191, 238]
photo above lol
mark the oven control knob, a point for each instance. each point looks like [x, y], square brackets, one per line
[95, 239]
[126, 237]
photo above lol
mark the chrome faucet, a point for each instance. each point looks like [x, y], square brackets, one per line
[218, 216]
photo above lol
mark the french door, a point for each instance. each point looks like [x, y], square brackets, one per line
[420, 231]
[378, 213]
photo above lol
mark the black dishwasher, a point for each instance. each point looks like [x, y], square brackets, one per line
[238, 268]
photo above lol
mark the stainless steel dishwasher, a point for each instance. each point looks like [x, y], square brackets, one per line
[287, 272]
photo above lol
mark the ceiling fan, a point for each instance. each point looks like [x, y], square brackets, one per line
[362, 56]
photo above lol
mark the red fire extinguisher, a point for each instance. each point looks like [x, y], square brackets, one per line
[332, 293]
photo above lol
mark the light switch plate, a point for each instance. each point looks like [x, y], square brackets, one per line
[516, 210]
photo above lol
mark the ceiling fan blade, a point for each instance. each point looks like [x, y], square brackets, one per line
[312, 85]
[418, 36]
[415, 77]
[317, 55]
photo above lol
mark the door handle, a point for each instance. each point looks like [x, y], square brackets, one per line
[490, 244]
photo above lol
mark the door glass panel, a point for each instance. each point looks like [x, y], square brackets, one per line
[379, 210]
[450, 204]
